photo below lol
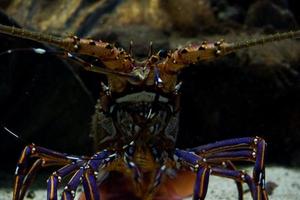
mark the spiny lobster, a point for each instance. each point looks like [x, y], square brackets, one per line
[136, 128]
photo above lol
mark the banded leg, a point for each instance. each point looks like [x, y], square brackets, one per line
[70, 188]
[30, 177]
[90, 185]
[201, 184]
[23, 176]
[195, 161]
[52, 181]
[241, 149]
[57, 176]
[88, 175]
[242, 155]
[203, 171]
[239, 185]
[259, 169]
[46, 157]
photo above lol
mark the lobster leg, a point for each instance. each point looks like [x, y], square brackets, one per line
[88, 174]
[239, 185]
[30, 177]
[195, 161]
[203, 171]
[47, 157]
[201, 184]
[242, 149]
[259, 169]
[22, 167]
[225, 145]
[56, 178]
[90, 185]
[69, 190]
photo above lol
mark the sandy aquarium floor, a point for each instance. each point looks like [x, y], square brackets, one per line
[287, 181]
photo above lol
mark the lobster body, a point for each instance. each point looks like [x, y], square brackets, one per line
[145, 125]
[135, 127]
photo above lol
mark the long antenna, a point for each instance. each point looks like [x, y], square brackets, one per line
[35, 36]
[12, 133]
[261, 41]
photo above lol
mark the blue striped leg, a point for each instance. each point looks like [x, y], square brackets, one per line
[240, 155]
[57, 176]
[70, 188]
[24, 175]
[240, 149]
[194, 161]
[201, 184]
[87, 174]
[239, 185]
[30, 177]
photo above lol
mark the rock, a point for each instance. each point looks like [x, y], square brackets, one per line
[268, 14]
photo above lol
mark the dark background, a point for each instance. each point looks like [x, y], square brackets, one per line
[49, 101]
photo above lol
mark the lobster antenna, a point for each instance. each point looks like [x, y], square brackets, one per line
[14, 134]
[76, 45]
[230, 47]
[87, 66]
[31, 35]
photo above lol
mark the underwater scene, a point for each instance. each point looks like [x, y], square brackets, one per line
[149, 99]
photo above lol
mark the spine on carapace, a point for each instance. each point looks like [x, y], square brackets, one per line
[112, 57]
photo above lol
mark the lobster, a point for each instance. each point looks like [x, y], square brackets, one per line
[135, 128]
